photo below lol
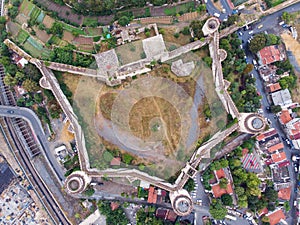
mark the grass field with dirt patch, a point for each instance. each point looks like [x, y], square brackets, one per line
[153, 119]
[182, 8]
[168, 35]
[72, 29]
[130, 52]
[13, 28]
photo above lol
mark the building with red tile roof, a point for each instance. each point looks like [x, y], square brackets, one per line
[268, 133]
[220, 173]
[114, 205]
[278, 157]
[276, 147]
[115, 161]
[276, 216]
[166, 214]
[273, 87]
[269, 54]
[152, 195]
[263, 211]
[285, 193]
[285, 116]
[284, 164]
[218, 191]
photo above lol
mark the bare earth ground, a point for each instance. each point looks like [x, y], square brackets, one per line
[41, 34]
[48, 21]
[13, 28]
[294, 46]
[68, 36]
[169, 36]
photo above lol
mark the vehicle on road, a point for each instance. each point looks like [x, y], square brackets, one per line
[229, 217]
[217, 15]
[11, 111]
[281, 23]
[260, 26]
[251, 32]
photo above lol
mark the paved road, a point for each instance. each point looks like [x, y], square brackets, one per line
[260, 88]
[36, 126]
[211, 9]
[1, 7]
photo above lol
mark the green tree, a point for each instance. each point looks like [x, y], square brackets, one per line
[186, 31]
[248, 68]
[239, 191]
[286, 17]
[257, 43]
[20, 76]
[38, 98]
[9, 80]
[271, 194]
[217, 210]
[127, 158]
[223, 183]
[275, 108]
[224, 163]
[57, 29]
[190, 185]
[30, 85]
[227, 199]
[123, 21]
[287, 206]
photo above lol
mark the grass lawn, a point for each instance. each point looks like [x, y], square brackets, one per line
[32, 50]
[276, 2]
[34, 14]
[90, 22]
[22, 36]
[183, 8]
[26, 7]
[71, 29]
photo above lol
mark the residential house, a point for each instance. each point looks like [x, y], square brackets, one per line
[285, 193]
[152, 195]
[267, 73]
[116, 161]
[282, 97]
[276, 217]
[166, 214]
[217, 191]
[278, 157]
[285, 116]
[293, 132]
[270, 54]
[270, 88]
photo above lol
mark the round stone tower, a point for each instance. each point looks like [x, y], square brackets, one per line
[77, 182]
[181, 202]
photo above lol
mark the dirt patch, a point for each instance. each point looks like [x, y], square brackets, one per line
[71, 80]
[106, 104]
[292, 45]
[169, 36]
[13, 28]
[68, 36]
[41, 34]
[66, 136]
[48, 21]
[130, 52]
[152, 118]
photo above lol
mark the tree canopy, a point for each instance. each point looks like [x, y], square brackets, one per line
[217, 210]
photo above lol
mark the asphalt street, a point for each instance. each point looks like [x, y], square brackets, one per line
[270, 25]
[36, 127]
[212, 10]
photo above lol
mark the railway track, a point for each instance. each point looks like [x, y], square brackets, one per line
[38, 184]
[23, 145]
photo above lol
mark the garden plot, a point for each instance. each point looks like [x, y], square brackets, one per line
[48, 21]
[41, 34]
[22, 36]
[26, 7]
[13, 28]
